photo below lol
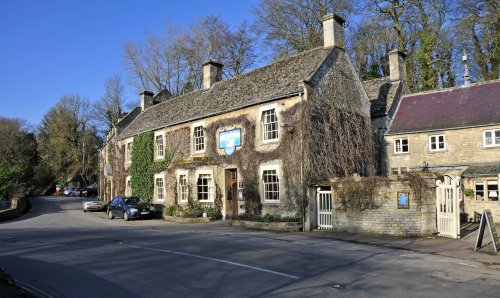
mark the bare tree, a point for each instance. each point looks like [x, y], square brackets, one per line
[109, 108]
[239, 51]
[478, 23]
[371, 42]
[175, 61]
[292, 26]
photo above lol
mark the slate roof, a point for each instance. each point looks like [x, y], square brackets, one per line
[457, 107]
[279, 79]
[381, 93]
[491, 170]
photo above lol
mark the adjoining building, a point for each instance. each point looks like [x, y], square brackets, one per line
[255, 142]
[454, 131]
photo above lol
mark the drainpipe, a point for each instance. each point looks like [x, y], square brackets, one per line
[301, 95]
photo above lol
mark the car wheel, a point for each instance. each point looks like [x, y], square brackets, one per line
[84, 210]
[110, 215]
[125, 216]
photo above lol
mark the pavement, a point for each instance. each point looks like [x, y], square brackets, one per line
[462, 248]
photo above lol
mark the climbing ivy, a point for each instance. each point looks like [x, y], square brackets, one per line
[144, 166]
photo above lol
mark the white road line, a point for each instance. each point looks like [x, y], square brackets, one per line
[216, 260]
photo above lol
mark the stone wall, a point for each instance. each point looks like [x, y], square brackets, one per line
[418, 220]
[17, 208]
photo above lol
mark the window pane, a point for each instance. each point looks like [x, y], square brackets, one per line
[271, 185]
[270, 124]
[493, 191]
[479, 191]
[204, 187]
[199, 138]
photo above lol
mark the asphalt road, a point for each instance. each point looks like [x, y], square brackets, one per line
[56, 250]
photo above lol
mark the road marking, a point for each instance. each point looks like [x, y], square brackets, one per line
[216, 260]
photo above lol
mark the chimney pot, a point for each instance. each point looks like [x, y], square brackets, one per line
[333, 31]
[397, 65]
[212, 73]
[146, 99]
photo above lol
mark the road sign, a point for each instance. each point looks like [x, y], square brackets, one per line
[487, 218]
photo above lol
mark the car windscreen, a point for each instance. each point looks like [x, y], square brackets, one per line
[93, 199]
[131, 201]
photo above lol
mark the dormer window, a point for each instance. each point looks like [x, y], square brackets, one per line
[270, 125]
[159, 146]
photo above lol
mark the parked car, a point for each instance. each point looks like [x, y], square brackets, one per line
[69, 191]
[91, 203]
[77, 192]
[128, 208]
[88, 192]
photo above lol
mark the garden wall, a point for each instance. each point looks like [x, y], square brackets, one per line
[17, 208]
[417, 220]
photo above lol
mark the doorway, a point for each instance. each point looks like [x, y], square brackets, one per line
[231, 192]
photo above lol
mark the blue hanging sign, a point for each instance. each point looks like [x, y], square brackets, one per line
[229, 140]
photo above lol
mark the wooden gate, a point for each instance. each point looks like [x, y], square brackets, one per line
[325, 208]
[448, 212]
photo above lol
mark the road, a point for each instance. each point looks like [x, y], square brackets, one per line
[56, 250]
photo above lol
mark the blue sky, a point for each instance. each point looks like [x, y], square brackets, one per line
[54, 47]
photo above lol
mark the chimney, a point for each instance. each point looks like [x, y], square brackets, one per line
[212, 73]
[397, 65]
[146, 99]
[333, 31]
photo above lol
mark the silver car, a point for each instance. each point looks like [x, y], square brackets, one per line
[91, 203]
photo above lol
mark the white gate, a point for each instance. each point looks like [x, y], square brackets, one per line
[448, 212]
[325, 208]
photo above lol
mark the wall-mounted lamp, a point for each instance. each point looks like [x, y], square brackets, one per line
[289, 127]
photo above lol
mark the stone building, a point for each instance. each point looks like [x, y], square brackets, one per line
[244, 144]
[454, 131]
[384, 95]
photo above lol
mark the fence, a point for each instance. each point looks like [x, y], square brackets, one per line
[4, 204]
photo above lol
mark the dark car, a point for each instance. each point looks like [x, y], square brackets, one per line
[88, 192]
[128, 208]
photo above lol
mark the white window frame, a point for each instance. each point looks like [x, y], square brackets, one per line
[194, 138]
[159, 196]
[495, 141]
[396, 151]
[128, 153]
[490, 190]
[263, 124]
[210, 189]
[436, 141]
[157, 149]
[128, 186]
[179, 186]
[262, 169]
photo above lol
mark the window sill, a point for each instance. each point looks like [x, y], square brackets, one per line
[271, 203]
[273, 141]
[437, 151]
[401, 153]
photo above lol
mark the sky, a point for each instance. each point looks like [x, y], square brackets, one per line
[55, 47]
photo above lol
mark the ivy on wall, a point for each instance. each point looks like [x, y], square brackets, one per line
[144, 167]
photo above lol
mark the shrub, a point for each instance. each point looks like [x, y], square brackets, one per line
[171, 210]
[469, 193]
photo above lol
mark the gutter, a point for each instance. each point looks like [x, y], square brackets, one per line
[441, 129]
